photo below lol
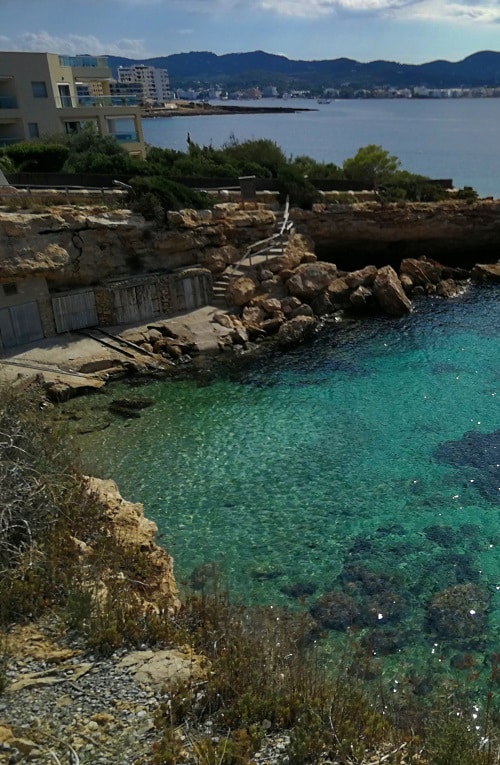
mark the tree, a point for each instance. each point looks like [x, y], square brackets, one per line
[371, 163]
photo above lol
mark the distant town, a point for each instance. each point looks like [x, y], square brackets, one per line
[151, 86]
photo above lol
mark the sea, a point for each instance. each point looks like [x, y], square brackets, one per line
[354, 478]
[441, 138]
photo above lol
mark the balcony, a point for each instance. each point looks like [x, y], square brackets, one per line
[125, 137]
[83, 61]
[86, 102]
[8, 102]
[9, 141]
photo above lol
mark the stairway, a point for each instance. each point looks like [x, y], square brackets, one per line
[256, 255]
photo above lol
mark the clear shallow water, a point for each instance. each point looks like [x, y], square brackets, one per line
[442, 138]
[319, 463]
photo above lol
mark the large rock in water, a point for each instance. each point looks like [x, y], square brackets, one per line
[487, 272]
[310, 279]
[296, 331]
[422, 271]
[390, 293]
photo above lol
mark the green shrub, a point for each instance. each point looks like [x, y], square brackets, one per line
[37, 157]
[298, 188]
[170, 195]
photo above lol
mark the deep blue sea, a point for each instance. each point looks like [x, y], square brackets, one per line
[441, 138]
[364, 465]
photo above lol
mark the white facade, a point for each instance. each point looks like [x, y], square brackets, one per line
[155, 82]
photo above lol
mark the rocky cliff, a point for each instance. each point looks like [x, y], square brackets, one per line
[454, 232]
[72, 246]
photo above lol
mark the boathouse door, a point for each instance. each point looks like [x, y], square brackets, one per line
[76, 310]
[19, 325]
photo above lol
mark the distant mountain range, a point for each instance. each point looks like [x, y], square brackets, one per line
[238, 70]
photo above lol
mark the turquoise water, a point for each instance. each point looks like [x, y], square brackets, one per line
[316, 471]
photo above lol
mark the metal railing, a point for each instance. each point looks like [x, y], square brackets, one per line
[82, 102]
[125, 137]
[276, 240]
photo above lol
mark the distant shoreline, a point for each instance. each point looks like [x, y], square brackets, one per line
[204, 109]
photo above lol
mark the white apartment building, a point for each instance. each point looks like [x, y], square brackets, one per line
[155, 82]
[45, 94]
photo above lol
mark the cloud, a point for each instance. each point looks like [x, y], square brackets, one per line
[73, 45]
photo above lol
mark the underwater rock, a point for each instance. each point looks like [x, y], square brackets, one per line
[299, 589]
[480, 451]
[459, 612]
[202, 575]
[441, 535]
[336, 611]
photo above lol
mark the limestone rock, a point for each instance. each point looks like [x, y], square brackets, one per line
[389, 292]
[165, 669]
[362, 298]
[363, 277]
[421, 270]
[338, 291]
[289, 304]
[253, 314]
[311, 278]
[216, 259]
[296, 331]
[448, 288]
[129, 526]
[487, 272]
[241, 290]
[188, 218]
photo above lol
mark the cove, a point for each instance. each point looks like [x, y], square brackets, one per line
[322, 479]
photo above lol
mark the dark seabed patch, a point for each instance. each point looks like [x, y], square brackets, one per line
[479, 451]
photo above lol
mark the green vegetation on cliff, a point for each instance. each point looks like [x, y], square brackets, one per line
[87, 152]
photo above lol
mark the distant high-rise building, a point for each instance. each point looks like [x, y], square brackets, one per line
[155, 82]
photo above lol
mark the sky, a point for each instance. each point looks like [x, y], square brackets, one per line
[407, 31]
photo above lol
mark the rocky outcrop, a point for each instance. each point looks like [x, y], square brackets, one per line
[451, 231]
[71, 246]
[389, 292]
[132, 529]
[486, 272]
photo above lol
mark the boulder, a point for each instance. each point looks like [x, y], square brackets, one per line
[254, 314]
[339, 291]
[362, 299]
[166, 669]
[487, 272]
[296, 331]
[322, 304]
[302, 310]
[241, 290]
[310, 279]
[289, 304]
[389, 292]
[216, 259]
[363, 277]
[270, 305]
[421, 270]
[448, 288]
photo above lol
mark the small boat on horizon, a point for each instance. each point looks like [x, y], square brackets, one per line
[324, 100]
